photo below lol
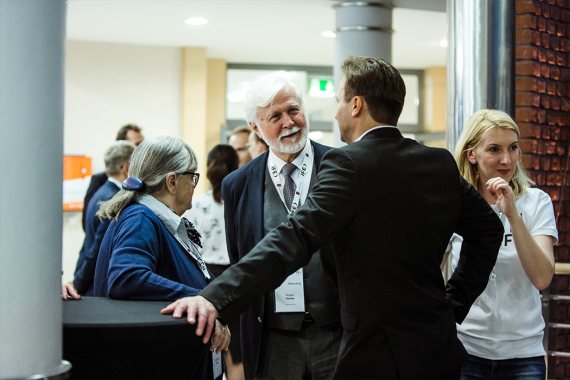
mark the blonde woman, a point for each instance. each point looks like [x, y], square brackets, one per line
[504, 328]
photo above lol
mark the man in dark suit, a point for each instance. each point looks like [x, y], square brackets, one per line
[281, 341]
[128, 132]
[390, 206]
[116, 158]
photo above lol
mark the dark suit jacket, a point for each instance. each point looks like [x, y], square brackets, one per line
[95, 229]
[97, 180]
[242, 192]
[390, 206]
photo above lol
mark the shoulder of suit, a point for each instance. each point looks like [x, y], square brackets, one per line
[320, 147]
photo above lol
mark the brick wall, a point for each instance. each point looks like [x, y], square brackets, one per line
[542, 110]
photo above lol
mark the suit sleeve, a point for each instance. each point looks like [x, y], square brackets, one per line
[229, 212]
[482, 232]
[329, 208]
[84, 275]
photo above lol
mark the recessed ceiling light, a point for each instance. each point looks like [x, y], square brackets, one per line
[443, 43]
[196, 21]
[328, 34]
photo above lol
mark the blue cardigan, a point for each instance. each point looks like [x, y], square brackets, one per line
[140, 259]
[94, 232]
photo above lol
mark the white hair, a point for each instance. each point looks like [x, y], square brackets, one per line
[263, 91]
[151, 162]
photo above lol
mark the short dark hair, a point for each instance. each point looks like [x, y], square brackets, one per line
[122, 134]
[379, 83]
[222, 160]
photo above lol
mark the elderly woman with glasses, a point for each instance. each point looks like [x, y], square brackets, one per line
[150, 251]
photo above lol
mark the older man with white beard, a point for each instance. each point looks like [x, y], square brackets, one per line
[293, 332]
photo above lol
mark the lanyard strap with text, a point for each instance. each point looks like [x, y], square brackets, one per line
[195, 255]
[303, 184]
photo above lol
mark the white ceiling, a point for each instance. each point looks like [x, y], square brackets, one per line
[252, 31]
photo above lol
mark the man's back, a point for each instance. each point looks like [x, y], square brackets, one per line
[407, 202]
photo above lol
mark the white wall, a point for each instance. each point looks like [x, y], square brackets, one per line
[109, 85]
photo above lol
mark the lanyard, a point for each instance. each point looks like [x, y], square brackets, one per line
[303, 185]
[194, 253]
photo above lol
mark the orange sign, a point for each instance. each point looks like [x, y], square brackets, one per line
[76, 177]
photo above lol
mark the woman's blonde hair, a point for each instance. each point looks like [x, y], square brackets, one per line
[477, 127]
[151, 162]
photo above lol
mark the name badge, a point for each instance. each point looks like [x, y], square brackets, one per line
[217, 364]
[290, 296]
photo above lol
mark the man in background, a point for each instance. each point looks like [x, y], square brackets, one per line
[238, 140]
[255, 145]
[128, 132]
[117, 158]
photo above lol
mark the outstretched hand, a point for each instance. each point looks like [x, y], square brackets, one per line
[198, 310]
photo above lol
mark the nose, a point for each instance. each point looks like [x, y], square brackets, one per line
[288, 121]
[506, 158]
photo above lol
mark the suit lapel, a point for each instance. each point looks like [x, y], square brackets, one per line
[254, 193]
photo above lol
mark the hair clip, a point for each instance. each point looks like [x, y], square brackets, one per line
[133, 184]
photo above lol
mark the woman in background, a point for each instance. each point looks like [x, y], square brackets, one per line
[207, 214]
[504, 329]
[149, 251]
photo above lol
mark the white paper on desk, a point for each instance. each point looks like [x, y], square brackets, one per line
[290, 296]
[217, 364]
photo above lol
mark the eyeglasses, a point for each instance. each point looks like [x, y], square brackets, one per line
[195, 177]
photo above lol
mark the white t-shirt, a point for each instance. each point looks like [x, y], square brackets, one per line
[506, 322]
[207, 215]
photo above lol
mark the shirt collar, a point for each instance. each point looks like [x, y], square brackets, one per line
[115, 182]
[372, 129]
[279, 163]
[166, 215]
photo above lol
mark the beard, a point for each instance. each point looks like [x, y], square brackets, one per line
[277, 145]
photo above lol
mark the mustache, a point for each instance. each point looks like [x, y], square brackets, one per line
[285, 133]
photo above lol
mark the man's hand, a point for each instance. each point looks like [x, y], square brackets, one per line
[68, 291]
[195, 307]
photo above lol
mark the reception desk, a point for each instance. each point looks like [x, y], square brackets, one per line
[112, 339]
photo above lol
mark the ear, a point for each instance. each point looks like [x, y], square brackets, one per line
[255, 128]
[125, 169]
[357, 105]
[171, 182]
[471, 157]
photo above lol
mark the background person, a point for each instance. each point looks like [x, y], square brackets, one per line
[128, 132]
[207, 214]
[149, 251]
[116, 159]
[504, 328]
[255, 145]
[389, 205]
[238, 140]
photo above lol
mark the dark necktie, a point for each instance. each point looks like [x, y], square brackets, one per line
[289, 185]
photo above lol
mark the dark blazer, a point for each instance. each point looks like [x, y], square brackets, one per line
[390, 206]
[94, 232]
[97, 180]
[243, 192]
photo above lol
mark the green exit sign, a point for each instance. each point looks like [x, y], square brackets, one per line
[321, 87]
